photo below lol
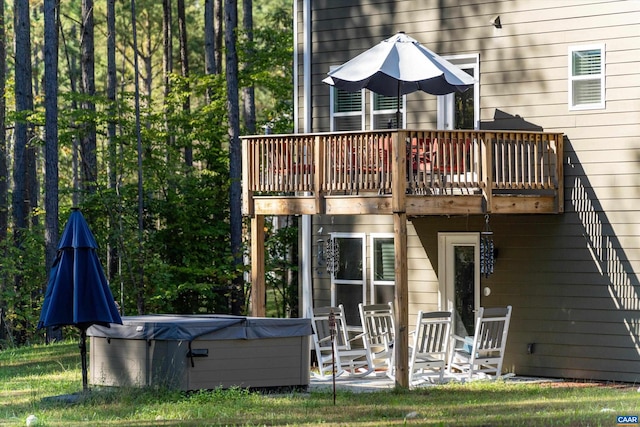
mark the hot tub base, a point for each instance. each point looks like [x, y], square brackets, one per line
[251, 353]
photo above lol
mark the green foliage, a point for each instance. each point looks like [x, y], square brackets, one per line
[269, 67]
[22, 285]
[192, 242]
[180, 262]
[281, 264]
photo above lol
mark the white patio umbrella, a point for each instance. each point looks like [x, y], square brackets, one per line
[397, 66]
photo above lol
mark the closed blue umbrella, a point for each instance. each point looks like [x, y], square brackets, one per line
[78, 292]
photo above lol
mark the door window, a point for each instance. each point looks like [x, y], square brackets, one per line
[459, 276]
[347, 282]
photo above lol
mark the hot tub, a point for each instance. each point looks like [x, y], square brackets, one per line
[201, 352]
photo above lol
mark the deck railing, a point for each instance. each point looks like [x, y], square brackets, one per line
[436, 162]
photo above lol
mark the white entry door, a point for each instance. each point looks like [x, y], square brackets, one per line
[459, 277]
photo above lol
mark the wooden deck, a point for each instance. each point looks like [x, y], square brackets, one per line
[418, 172]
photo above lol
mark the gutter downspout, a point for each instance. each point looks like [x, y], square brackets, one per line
[306, 247]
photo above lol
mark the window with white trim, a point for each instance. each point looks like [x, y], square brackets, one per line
[586, 77]
[461, 110]
[383, 269]
[387, 111]
[347, 110]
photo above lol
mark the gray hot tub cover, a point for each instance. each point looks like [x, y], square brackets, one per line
[212, 327]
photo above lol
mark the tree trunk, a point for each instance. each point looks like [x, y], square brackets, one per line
[72, 73]
[184, 60]
[24, 104]
[113, 264]
[212, 42]
[218, 33]
[140, 285]
[235, 161]
[4, 172]
[209, 39]
[88, 145]
[167, 65]
[51, 129]
[248, 93]
[51, 234]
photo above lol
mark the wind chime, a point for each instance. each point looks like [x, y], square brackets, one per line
[332, 255]
[487, 250]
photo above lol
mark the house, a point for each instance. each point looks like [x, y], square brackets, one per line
[542, 155]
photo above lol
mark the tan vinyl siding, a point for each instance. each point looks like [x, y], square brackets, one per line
[423, 281]
[572, 279]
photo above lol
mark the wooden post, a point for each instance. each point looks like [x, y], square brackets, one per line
[401, 300]
[247, 195]
[487, 168]
[399, 171]
[258, 288]
[560, 172]
[319, 173]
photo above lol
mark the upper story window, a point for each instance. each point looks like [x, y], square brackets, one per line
[586, 77]
[387, 111]
[347, 110]
[461, 110]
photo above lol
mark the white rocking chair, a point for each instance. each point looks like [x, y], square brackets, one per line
[339, 354]
[430, 346]
[378, 325]
[482, 357]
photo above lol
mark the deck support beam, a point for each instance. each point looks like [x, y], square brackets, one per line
[258, 287]
[401, 300]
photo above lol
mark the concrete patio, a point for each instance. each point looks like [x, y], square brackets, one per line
[380, 382]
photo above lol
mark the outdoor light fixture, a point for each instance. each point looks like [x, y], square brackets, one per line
[487, 249]
[496, 22]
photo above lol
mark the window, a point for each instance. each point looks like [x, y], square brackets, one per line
[461, 110]
[459, 277]
[383, 268]
[348, 281]
[347, 110]
[386, 113]
[586, 77]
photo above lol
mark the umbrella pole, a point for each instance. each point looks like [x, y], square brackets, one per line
[83, 355]
[398, 105]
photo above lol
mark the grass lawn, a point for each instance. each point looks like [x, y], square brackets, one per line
[29, 375]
